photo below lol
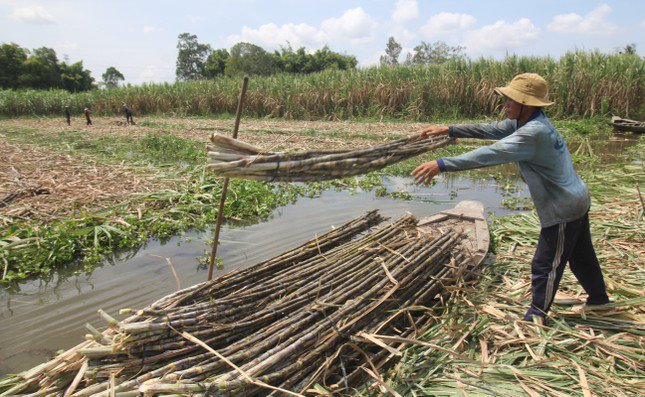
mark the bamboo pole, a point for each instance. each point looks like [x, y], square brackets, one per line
[238, 115]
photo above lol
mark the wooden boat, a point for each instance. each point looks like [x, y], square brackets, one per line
[468, 216]
[628, 125]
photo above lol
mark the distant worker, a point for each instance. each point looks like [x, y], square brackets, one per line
[128, 114]
[87, 117]
[68, 116]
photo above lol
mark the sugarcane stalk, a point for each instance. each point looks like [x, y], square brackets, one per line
[233, 143]
[302, 166]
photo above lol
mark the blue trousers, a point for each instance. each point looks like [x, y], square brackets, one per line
[557, 245]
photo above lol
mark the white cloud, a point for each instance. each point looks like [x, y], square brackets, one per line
[33, 14]
[501, 36]
[149, 29]
[67, 45]
[195, 19]
[592, 23]
[401, 34]
[446, 23]
[405, 11]
[150, 74]
[274, 36]
[373, 59]
[643, 24]
[405, 53]
[354, 25]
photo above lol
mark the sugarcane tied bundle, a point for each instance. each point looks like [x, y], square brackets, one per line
[233, 158]
[316, 316]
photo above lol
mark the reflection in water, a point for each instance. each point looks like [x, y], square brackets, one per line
[41, 316]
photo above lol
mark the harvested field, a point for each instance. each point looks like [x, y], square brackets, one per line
[76, 181]
[111, 185]
[289, 135]
[40, 185]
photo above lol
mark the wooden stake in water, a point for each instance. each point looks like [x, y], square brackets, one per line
[238, 114]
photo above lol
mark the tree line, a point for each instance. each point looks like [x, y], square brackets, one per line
[423, 54]
[40, 69]
[197, 60]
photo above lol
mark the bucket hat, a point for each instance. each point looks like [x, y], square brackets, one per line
[528, 89]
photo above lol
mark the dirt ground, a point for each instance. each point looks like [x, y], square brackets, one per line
[38, 184]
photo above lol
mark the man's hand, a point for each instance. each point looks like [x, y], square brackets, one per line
[434, 131]
[426, 172]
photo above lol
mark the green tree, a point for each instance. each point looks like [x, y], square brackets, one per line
[41, 70]
[392, 52]
[247, 58]
[629, 49]
[325, 58]
[191, 57]
[434, 53]
[216, 63]
[12, 57]
[112, 77]
[74, 78]
[291, 61]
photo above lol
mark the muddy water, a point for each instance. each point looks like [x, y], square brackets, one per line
[39, 317]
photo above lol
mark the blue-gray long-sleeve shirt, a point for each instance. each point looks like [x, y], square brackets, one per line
[537, 147]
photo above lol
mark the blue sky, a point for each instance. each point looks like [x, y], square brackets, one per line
[139, 38]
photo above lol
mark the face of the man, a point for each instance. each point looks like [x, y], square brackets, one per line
[512, 109]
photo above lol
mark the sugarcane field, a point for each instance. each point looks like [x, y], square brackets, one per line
[292, 222]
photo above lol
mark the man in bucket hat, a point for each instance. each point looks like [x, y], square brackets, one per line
[561, 198]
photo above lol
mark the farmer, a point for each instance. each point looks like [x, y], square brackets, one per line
[128, 114]
[68, 116]
[561, 198]
[88, 120]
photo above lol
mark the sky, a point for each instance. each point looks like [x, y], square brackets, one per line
[139, 37]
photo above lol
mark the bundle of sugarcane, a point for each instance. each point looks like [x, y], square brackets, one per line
[233, 158]
[316, 315]
[67, 364]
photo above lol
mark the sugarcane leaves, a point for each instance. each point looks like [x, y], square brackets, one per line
[105, 231]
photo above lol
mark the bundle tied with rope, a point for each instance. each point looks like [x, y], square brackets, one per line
[233, 158]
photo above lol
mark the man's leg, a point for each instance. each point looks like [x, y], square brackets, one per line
[546, 260]
[584, 265]
[555, 247]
